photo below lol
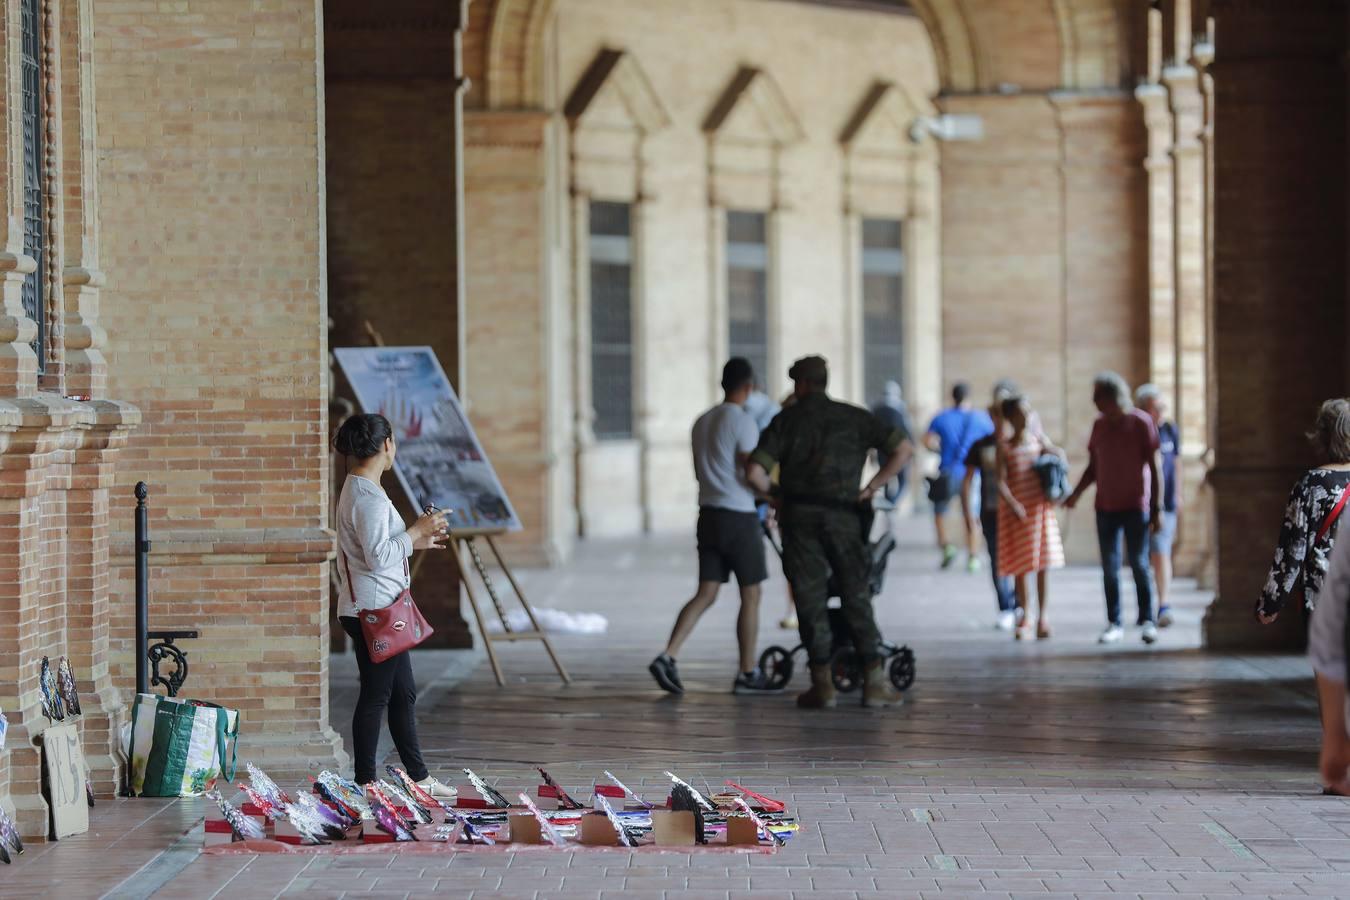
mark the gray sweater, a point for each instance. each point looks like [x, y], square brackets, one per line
[373, 546]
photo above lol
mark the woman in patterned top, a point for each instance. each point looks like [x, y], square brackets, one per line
[1309, 529]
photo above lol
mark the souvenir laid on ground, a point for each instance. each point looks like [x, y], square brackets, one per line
[398, 813]
[66, 777]
[554, 791]
[10, 842]
[69, 692]
[52, 707]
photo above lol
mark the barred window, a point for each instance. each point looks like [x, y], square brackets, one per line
[34, 222]
[611, 252]
[883, 281]
[748, 288]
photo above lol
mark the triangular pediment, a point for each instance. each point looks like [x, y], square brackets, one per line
[615, 94]
[753, 110]
[881, 123]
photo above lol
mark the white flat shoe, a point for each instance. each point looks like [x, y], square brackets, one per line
[438, 790]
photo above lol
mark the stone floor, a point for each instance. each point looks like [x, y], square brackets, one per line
[1048, 768]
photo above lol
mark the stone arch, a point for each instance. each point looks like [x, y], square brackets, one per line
[1043, 45]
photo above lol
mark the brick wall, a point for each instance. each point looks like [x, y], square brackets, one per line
[211, 198]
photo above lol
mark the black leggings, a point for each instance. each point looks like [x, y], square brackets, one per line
[383, 685]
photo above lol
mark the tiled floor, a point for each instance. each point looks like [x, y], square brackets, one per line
[1050, 768]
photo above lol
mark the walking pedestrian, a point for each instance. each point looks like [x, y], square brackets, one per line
[1311, 516]
[373, 550]
[982, 463]
[893, 413]
[820, 446]
[1162, 543]
[1123, 464]
[729, 536]
[951, 435]
[1329, 651]
[1028, 538]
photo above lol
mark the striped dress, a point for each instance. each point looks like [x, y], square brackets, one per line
[1030, 545]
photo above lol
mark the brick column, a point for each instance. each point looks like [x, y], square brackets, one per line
[88, 579]
[37, 438]
[1280, 279]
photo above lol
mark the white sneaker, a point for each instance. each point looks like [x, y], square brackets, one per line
[1150, 633]
[1007, 621]
[438, 790]
[1111, 635]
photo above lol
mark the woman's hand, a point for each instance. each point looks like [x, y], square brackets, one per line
[1266, 618]
[430, 531]
[1018, 510]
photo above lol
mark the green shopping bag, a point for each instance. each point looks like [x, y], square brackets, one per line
[179, 747]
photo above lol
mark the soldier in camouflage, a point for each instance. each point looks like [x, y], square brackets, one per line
[820, 446]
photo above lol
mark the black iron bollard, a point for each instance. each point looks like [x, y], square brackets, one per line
[142, 588]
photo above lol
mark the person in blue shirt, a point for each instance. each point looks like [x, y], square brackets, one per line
[1150, 400]
[951, 435]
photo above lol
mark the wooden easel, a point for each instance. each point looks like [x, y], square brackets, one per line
[536, 633]
[458, 545]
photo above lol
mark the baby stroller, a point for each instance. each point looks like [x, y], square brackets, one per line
[846, 671]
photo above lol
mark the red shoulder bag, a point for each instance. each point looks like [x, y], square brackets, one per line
[390, 631]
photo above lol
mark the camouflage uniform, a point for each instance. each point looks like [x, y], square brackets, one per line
[820, 446]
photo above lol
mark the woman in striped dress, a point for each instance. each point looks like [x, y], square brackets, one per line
[1028, 532]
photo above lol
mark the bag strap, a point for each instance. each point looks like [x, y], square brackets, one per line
[1332, 516]
[223, 733]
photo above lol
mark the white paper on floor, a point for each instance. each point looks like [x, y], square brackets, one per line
[556, 621]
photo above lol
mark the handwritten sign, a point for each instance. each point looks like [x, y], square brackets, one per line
[439, 460]
[66, 776]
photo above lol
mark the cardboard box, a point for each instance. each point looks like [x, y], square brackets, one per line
[218, 831]
[741, 831]
[597, 831]
[673, 828]
[524, 828]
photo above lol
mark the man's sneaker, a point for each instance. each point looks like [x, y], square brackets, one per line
[1006, 621]
[1111, 635]
[973, 565]
[664, 671]
[755, 682]
[438, 790]
[948, 556]
[1165, 617]
[1150, 633]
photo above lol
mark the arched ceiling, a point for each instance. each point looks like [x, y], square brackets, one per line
[980, 46]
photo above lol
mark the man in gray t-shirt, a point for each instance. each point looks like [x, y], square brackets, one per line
[729, 538]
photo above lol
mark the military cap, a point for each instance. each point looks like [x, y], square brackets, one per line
[809, 368]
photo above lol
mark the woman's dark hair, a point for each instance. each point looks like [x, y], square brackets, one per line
[363, 435]
[1331, 434]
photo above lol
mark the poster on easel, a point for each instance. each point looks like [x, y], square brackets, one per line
[439, 461]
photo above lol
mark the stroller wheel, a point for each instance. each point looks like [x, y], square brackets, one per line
[902, 669]
[776, 664]
[845, 670]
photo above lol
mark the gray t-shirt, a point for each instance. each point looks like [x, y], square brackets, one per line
[718, 435]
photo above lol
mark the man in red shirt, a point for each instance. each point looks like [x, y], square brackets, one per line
[1123, 463]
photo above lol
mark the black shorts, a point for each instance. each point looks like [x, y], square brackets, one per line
[730, 541]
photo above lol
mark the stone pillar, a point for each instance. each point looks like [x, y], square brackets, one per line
[507, 162]
[1162, 357]
[1191, 392]
[1280, 279]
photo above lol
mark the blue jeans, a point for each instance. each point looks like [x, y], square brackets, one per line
[1003, 587]
[1135, 526]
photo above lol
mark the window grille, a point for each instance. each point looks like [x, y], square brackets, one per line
[611, 252]
[34, 221]
[748, 289]
[883, 283]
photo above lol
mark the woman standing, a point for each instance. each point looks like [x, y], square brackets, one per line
[373, 550]
[1028, 532]
[1315, 505]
